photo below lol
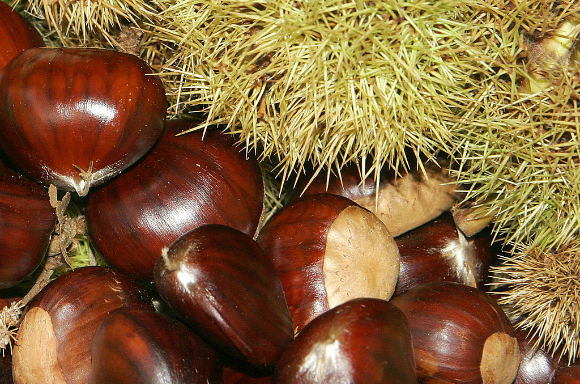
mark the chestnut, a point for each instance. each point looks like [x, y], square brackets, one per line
[460, 335]
[234, 376]
[26, 224]
[567, 375]
[327, 250]
[364, 340]
[537, 366]
[437, 251]
[76, 117]
[55, 337]
[218, 279]
[186, 181]
[16, 35]
[402, 200]
[137, 346]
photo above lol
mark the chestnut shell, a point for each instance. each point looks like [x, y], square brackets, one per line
[567, 375]
[16, 35]
[186, 181]
[26, 224]
[395, 196]
[364, 340]
[437, 251]
[304, 245]
[452, 325]
[537, 365]
[76, 117]
[76, 303]
[136, 346]
[218, 279]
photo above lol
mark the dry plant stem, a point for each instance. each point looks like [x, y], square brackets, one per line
[52, 263]
[11, 316]
[64, 235]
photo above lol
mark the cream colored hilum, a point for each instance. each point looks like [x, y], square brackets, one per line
[361, 259]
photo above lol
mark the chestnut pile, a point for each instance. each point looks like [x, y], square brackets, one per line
[347, 283]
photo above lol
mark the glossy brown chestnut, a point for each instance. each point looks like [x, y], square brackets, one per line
[328, 250]
[437, 251]
[402, 202]
[460, 335]
[26, 224]
[537, 366]
[54, 340]
[16, 35]
[145, 347]
[362, 341]
[75, 117]
[234, 376]
[184, 182]
[219, 280]
[567, 375]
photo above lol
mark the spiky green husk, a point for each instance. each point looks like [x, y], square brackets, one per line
[326, 82]
[523, 165]
[332, 81]
[543, 295]
[86, 23]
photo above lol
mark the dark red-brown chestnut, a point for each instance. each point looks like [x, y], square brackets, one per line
[437, 251]
[567, 375]
[460, 335]
[537, 366]
[26, 224]
[184, 182]
[328, 250]
[56, 334]
[361, 341]
[232, 375]
[76, 117]
[16, 35]
[402, 201]
[220, 281]
[146, 347]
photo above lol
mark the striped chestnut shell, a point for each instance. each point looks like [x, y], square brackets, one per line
[186, 181]
[26, 224]
[76, 117]
[16, 35]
